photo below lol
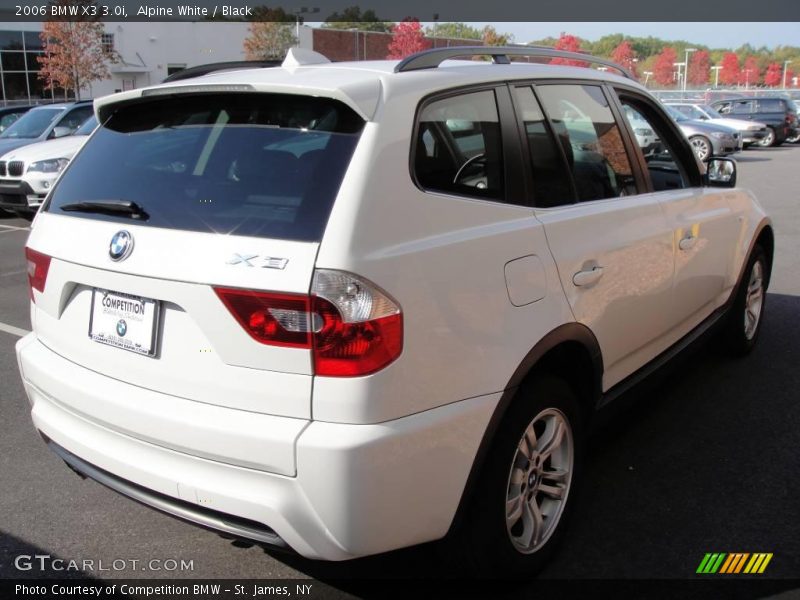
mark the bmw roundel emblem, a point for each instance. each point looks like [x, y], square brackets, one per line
[121, 245]
[122, 328]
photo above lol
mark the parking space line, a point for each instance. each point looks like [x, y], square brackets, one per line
[14, 228]
[13, 330]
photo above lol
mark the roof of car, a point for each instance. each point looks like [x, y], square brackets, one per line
[362, 84]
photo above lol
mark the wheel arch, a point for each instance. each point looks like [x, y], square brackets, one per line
[570, 351]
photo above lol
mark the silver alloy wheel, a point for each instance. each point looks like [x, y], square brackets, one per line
[793, 139]
[701, 147]
[754, 301]
[539, 480]
[769, 139]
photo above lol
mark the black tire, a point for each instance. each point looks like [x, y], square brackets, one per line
[793, 139]
[482, 544]
[770, 140]
[737, 336]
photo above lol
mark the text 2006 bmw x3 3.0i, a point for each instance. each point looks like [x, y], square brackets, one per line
[347, 308]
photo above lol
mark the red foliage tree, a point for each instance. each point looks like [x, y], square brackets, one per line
[729, 73]
[664, 67]
[624, 56]
[568, 43]
[774, 75]
[750, 73]
[407, 38]
[73, 51]
[699, 67]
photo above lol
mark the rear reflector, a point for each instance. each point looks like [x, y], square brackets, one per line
[352, 327]
[38, 266]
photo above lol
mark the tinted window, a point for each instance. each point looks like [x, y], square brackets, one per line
[659, 155]
[771, 105]
[33, 123]
[265, 165]
[741, 108]
[87, 127]
[591, 139]
[76, 117]
[458, 147]
[551, 181]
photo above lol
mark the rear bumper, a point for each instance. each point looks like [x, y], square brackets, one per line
[358, 489]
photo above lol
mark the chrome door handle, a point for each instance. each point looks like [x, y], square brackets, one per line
[687, 243]
[582, 278]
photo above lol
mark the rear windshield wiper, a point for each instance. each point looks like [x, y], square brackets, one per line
[126, 208]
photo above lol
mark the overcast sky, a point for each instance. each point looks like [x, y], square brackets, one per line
[716, 35]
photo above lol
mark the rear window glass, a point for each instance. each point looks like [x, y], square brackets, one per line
[266, 165]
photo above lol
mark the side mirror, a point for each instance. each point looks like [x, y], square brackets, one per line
[721, 172]
[59, 132]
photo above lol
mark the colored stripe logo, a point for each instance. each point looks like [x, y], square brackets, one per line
[734, 563]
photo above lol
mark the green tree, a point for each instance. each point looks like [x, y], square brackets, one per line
[353, 18]
[454, 30]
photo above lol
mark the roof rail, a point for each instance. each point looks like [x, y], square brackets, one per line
[200, 70]
[430, 59]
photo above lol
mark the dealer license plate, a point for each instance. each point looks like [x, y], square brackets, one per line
[124, 321]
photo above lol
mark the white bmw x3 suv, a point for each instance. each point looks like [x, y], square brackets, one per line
[347, 308]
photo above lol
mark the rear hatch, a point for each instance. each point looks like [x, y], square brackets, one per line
[174, 212]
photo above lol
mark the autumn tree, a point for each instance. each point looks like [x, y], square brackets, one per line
[490, 37]
[268, 40]
[774, 75]
[624, 56]
[73, 51]
[699, 67]
[568, 43]
[407, 38]
[750, 74]
[664, 67]
[729, 73]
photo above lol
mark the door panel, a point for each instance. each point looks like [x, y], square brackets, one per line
[628, 306]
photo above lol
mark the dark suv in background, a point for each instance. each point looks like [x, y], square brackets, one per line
[779, 114]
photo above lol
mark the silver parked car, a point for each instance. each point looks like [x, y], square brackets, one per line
[752, 132]
[706, 138]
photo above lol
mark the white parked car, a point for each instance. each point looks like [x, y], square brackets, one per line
[28, 173]
[347, 308]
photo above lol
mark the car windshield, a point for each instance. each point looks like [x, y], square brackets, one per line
[88, 127]
[677, 115]
[32, 124]
[265, 165]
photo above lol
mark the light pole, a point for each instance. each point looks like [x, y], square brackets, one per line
[686, 70]
[786, 64]
[301, 11]
[716, 75]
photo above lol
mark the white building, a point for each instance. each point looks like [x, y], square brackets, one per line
[146, 53]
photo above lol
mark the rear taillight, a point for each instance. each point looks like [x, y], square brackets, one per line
[351, 326]
[361, 327]
[38, 265]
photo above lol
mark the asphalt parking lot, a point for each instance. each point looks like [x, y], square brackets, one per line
[707, 461]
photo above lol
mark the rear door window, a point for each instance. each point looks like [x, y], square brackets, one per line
[267, 165]
[590, 137]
